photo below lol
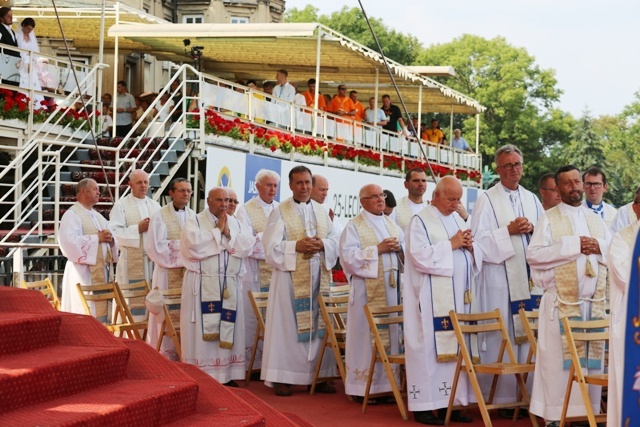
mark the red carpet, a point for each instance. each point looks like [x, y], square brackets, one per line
[63, 369]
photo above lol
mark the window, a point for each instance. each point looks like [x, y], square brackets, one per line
[192, 19]
[239, 20]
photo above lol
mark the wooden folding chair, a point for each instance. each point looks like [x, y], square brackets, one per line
[378, 318]
[333, 310]
[132, 296]
[46, 287]
[259, 304]
[587, 331]
[530, 322]
[466, 325]
[172, 303]
[109, 309]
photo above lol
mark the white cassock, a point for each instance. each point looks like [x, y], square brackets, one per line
[198, 243]
[165, 254]
[624, 217]
[284, 358]
[405, 210]
[251, 281]
[492, 286]
[605, 210]
[359, 263]
[429, 381]
[128, 236]
[81, 252]
[544, 255]
[620, 254]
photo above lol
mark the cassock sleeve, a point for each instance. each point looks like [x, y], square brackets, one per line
[241, 242]
[495, 243]
[331, 244]
[258, 248]
[77, 247]
[199, 244]
[356, 261]
[126, 236]
[279, 252]
[620, 263]
[427, 258]
[162, 251]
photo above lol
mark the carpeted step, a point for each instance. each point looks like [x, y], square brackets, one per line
[272, 415]
[136, 403]
[50, 372]
[18, 300]
[21, 332]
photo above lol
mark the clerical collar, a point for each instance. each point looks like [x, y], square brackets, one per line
[178, 209]
[299, 202]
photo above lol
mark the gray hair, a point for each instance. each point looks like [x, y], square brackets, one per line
[446, 181]
[266, 173]
[506, 149]
[83, 184]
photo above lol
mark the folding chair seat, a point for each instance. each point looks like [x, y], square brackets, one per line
[587, 332]
[259, 304]
[380, 318]
[108, 309]
[333, 310]
[467, 325]
[46, 287]
[172, 303]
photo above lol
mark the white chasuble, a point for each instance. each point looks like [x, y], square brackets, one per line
[360, 263]
[429, 256]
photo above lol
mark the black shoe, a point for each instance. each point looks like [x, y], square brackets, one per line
[231, 383]
[282, 389]
[456, 415]
[507, 413]
[427, 417]
[323, 387]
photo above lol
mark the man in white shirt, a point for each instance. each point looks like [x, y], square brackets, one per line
[374, 115]
[416, 184]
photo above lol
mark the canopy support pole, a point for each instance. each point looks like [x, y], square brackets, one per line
[317, 89]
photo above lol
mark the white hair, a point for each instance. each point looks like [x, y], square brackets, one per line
[265, 174]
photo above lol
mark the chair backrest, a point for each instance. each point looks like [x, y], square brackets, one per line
[46, 287]
[382, 317]
[133, 296]
[172, 299]
[334, 310]
[486, 322]
[105, 303]
[259, 304]
[530, 323]
[587, 331]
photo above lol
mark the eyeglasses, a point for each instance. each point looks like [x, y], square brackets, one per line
[510, 166]
[183, 190]
[593, 184]
[549, 189]
[342, 88]
[234, 201]
[375, 197]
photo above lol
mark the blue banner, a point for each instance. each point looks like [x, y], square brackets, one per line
[252, 167]
[631, 387]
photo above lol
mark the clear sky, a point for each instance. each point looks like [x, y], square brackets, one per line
[594, 46]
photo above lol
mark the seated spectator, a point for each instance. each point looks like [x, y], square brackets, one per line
[459, 142]
[327, 99]
[373, 114]
[106, 100]
[146, 120]
[251, 84]
[433, 134]
[164, 112]
[106, 121]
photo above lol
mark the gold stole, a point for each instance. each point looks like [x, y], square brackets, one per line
[566, 276]
[376, 288]
[98, 275]
[404, 213]
[304, 304]
[259, 222]
[135, 256]
[174, 275]
[516, 266]
[442, 290]
[219, 288]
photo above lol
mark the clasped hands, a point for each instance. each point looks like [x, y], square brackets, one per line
[223, 225]
[462, 239]
[520, 225]
[105, 236]
[589, 246]
[309, 245]
[390, 244]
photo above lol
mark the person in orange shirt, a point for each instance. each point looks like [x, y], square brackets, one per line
[342, 105]
[310, 94]
[433, 134]
[358, 105]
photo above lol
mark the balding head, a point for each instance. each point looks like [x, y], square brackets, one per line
[218, 201]
[87, 193]
[447, 195]
[372, 199]
[320, 188]
[139, 183]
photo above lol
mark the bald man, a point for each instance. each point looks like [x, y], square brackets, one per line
[439, 270]
[212, 247]
[320, 191]
[129, 220]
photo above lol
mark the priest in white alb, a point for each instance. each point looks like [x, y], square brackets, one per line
[129, 220]
[626, 215]
[301, 244]
[620, 254]
[370, 255]
[502, 221]
[567, 255]
[162, 245]
[595, 185]
[87, 243]
[415, 181]
[255, 214]
[213, 246]
[439, 272]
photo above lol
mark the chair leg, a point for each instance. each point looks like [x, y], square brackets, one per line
[567, 397]
[161, 335]
[323, 347]
[584, 390]
[473, 378]
[253, 358]
[454, 387]
[396, 392]
[369, 379]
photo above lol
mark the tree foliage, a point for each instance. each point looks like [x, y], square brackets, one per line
[350, 22]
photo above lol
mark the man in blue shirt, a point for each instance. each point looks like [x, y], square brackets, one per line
[459, 142]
